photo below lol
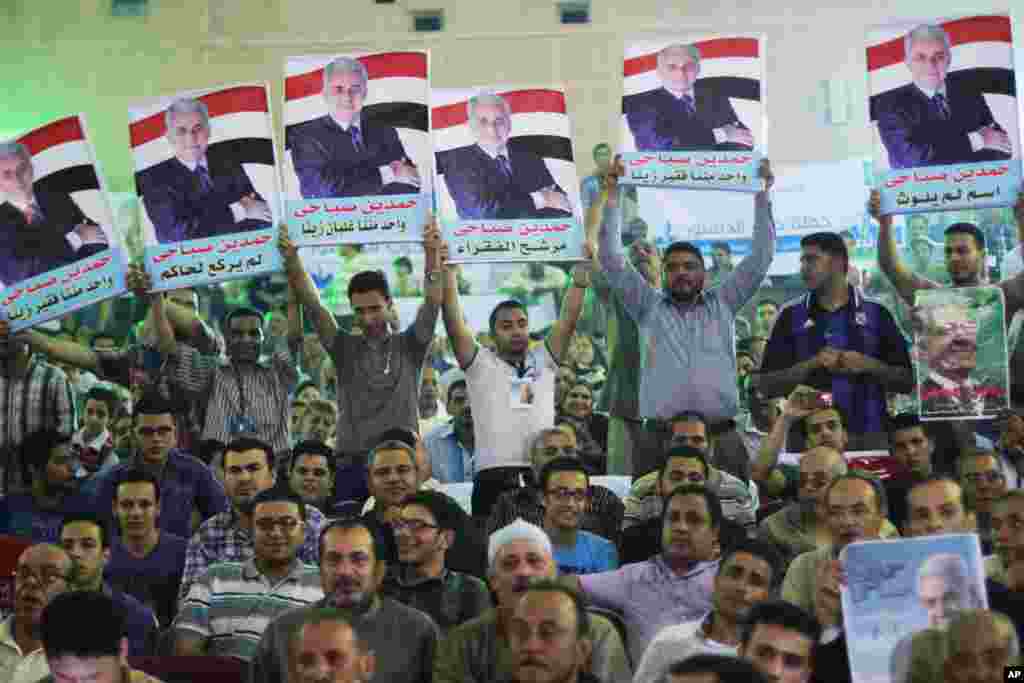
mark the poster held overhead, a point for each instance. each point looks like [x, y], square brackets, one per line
[60, 250]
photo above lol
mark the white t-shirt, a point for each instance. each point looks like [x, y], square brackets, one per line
[510, 407]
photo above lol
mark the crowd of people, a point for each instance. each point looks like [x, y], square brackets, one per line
[277, 486]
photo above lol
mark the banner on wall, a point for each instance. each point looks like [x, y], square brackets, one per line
[943, 101]
[358, 159]
[60, 249]
[961, 353]
[895, 590]
[206, 174]
[507, 188]
[693, 112]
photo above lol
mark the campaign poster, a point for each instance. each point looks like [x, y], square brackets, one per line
[897, 589]
[507, 188]
[206, 174]
[358, 159]
[60, 250]
[693, 111]
[961, 353]
[943, 104]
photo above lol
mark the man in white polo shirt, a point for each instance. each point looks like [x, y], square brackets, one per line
[511, 389]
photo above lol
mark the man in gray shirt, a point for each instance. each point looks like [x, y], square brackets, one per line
[687, 332]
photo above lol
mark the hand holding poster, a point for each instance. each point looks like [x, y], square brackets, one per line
[895, 590]
[960, 340]
[206, 174]
[692, 112]
[358, 148]
[507, 188]
[942, 96]
[59, 250]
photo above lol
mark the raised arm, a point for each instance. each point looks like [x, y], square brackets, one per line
[463, 343]
[745, 280]
[572, 304]
[167, 343]
[902, 278]
[763, 470]
[305, 291]
[433, 285]
[62, 351]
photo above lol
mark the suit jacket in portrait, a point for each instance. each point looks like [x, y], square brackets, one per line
[988, 398]
[660, 123]
[482, 191]
[28, 250]
[328, 164]
[180, 210]
[914, 134]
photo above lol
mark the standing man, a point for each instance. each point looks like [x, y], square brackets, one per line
[721, 263]
[451, 447]
[835, 340]
[565, 485]
[687, 331]
[511, 389]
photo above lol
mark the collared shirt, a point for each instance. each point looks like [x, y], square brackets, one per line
[40, 399]
[450, 599]
[255, 391]
[692, 341]
[676, 643]
[221, 539]
[15, 665]
[450, 461]
[650, 596]
[185, 485]
[232, 603]
[603, 515]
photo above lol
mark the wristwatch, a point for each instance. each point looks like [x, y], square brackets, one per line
[433, 277]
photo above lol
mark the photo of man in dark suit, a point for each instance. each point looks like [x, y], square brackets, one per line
[344, 153]
[935, 120]
[39, 230]
[684, 114]
[496, 177]
[198, 193]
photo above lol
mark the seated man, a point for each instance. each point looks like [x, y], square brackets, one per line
[983, 479]
[714, 669]
[327, 647]
[565, 482]
[603, 515]
[780, 640]
[479, 651]
[425, 530]
[450, 446]
[913, 448]
[311, 477]
[228, 607]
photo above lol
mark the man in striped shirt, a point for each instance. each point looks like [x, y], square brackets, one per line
[228, 608]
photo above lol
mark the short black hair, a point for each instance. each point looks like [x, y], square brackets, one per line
[137, 475]
[562, 464]
[103, 395]
[687, 247]
[278, 494]
[37, 448]
[829, 242]
[209, 449]
[833, 407]
[240, 312]
[154, 403]
[897, 423]
[725, 669]
[398, 434]
[759, 549]
[249, 443]
[873, 482]
[503, 306]
[348, 524]
[61, 629]
[783, 614]
[932, 479]
[578, 602]
[88, 518]
[447, 513]
[690, 416]
[313, 448]
[967, 229]
[711, 499]
[688, 452]
[368, 281]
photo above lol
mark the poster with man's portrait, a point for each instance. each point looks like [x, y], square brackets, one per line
[943, 104]
[206, 174]
[961, 353]
[898, 597]
[358, 160]
[60, 250]
[693, 111]
[507, 188]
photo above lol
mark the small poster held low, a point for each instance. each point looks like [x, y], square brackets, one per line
[960, 344]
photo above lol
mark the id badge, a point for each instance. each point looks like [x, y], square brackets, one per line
[522, 393]
[241, 424]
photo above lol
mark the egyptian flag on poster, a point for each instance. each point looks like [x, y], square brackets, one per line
[979, 91]
[213, 220]
[529, 210]
[728, 91]
[69, 254]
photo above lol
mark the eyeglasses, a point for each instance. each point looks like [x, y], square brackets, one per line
[574, 495]
[992, 477]
[284, 523]
[46, 579]
[413, 526]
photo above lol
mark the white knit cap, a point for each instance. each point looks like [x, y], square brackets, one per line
[519, 530]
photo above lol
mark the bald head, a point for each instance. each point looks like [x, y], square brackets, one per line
[819, 466]
[44, 571]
